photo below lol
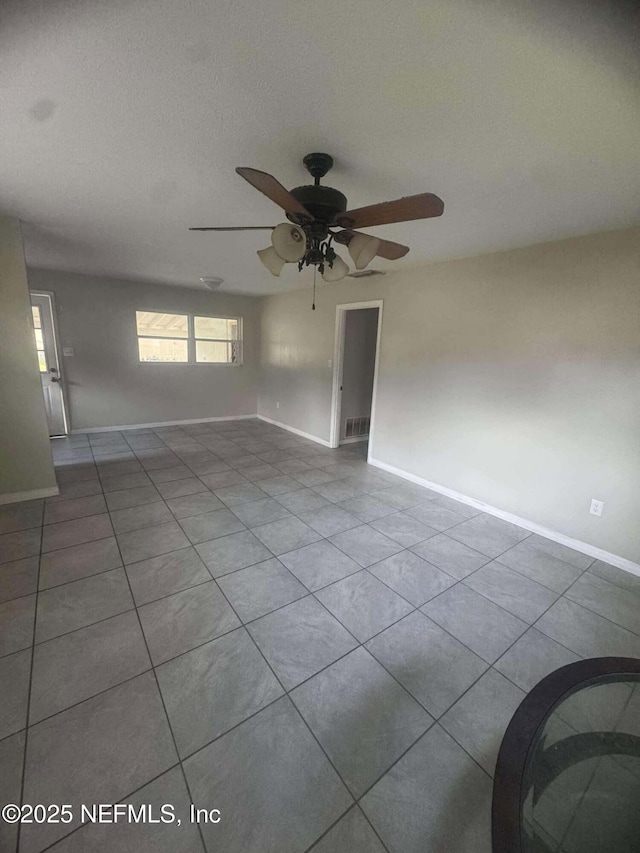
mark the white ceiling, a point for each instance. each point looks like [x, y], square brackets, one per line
[122, 122]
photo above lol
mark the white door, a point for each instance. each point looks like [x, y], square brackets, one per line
[45, 332]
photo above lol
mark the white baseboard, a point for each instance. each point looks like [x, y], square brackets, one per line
[354, 440]
[576, 544]
[16, 497]
[162, 424]
[294, 430]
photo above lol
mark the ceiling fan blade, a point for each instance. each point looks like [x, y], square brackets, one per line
[387, 248]
[273, 189]
[238, 228]
[410, 207]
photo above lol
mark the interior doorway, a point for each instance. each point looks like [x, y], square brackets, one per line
[355, 372]
[44, 328]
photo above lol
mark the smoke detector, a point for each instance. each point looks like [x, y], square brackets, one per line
[212, 283]
[365, 273]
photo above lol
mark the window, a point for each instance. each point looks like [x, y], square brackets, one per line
[188, 339]
[37, 328]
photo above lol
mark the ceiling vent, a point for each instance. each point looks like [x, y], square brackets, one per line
[365, 273]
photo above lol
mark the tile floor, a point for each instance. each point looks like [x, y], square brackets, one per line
[230, 615]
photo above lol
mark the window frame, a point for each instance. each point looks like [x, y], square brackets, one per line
[191, 339]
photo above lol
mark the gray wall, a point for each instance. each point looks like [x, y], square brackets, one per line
[361, 327]
[25, 452]
[105, 384]
[513, 378]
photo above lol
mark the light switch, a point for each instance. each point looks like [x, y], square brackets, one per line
[68, 351]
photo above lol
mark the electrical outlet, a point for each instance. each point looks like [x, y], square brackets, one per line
[597, 507]
[277, 405]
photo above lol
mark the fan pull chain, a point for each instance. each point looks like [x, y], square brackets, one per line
[313, 306]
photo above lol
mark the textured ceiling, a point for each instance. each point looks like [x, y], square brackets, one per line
[122, 122]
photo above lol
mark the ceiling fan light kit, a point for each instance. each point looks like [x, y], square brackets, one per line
[314, 211]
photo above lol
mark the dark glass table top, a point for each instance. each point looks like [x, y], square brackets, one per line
[568, 774]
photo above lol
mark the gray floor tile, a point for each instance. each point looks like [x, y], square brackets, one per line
[74, 508]
[586, 633]
[223, 479]
[195, 504]
[319, 564]
[279, 485]
[302, 500]
[260, 589]
[120, 463]
[125, 481]
[20, 516]
[510, 590]
[180, 488]
[78, 561]
[532, 658]
[74, 605]
[148, 542]
[68, 533]
[148, 837]
[478, 623]
[182, 621]
[352, 833]
[78, 665]
[290, 776]
[21, 544]
[15, 670]
[540, 567]
[404, 495]
[209, 690]
[403, 529]
[617, 576]
[329, 520]
[120, 739]
[258, 472]
[233, 552]
[435, 515]
[453, 557]
[212, 525]
[456, 506]
[126, 498]
[365, 545]
[18, 578]
[613, 602]
[412, 577]
[366, 508]
[337, 491]
[479, 719]
[419, 804]
[239, 494]
[300, 639]
[285, 535]
[306, 475]
[81, 489]
[353, 704]
[16, 624]
[167, 475]
[560, 552]
[76, 473]
[166, 574]
[490, 536]
[259, 512]
[363, 604]
[432, 665]
[137, 517]
[11, 761]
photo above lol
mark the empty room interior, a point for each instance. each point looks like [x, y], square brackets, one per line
[320, 426]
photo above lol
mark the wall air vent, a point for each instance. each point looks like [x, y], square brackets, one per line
[365, 273]
[356, 427]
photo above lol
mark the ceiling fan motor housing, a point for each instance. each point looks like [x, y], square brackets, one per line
[323, 203]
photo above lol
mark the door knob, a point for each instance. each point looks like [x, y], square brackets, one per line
[54, 379]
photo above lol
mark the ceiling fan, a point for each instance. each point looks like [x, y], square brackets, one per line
[314, 212]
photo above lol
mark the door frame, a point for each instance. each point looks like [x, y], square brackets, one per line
[338, 368]
[50, 296]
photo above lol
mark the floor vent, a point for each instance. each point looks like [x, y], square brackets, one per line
[357, 427]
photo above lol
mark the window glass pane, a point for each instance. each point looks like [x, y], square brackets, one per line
[42, 361]
[162, 325]
[217, 352]
[35, 310]
[39, 341]
[162, 349]
[216, 328]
